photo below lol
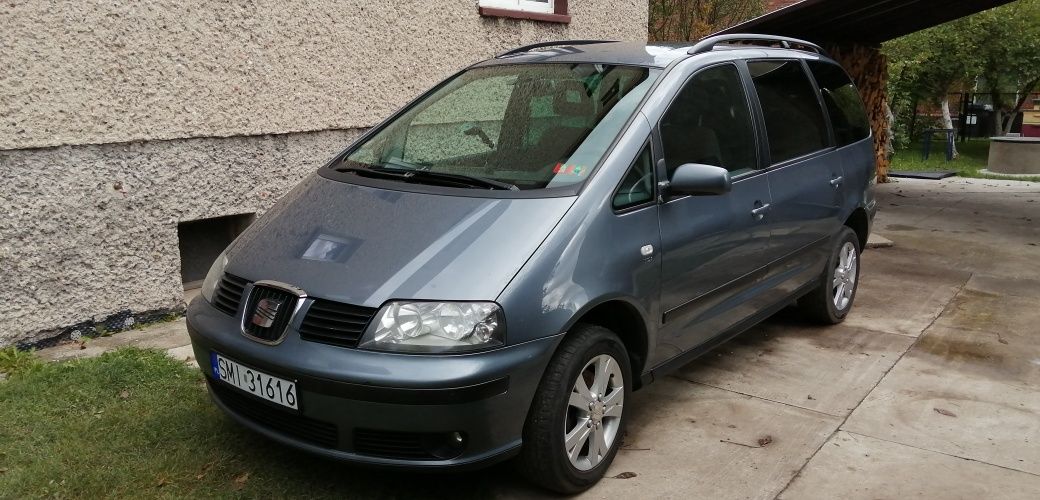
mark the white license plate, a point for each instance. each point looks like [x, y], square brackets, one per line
[264, 386]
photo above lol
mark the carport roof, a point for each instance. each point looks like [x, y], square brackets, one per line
[866, 21]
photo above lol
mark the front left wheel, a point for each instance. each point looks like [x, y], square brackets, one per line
[576, 422]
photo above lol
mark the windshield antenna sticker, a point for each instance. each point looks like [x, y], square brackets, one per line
[564, 169]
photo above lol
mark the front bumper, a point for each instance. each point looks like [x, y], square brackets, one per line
[379, 408]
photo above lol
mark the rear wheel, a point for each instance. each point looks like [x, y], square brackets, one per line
[832, 300]
[576, 421]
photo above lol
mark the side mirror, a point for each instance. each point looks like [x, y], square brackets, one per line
[698, 179]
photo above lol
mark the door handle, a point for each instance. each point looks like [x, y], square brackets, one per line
[836, 182]
[760, 212]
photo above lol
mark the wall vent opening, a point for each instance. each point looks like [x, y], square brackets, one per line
[201, 241]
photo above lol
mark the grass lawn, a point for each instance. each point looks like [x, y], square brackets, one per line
[137, 424]
[974, 154]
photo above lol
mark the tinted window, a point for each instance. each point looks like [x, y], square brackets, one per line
[531, 125]
[844, 105]
[710, 123]
[794, 120]
[638, 186]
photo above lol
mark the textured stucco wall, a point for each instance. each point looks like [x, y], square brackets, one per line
[92, 230]
[79, 72]
[119, 119]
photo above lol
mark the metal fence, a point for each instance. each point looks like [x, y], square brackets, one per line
[973, 113]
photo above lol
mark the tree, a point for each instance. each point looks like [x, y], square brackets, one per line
[1008, 43]
[996, 50]
[687, 20]
[927, 66]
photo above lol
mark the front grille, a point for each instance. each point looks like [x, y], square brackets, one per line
[271, 305]
[335, 323]
[229, 293]
[407, 445]
[312, 431]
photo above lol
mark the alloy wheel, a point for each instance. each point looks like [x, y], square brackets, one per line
[594, 412]
[844, 283]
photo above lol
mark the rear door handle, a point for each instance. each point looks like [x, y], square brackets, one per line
[760, 212]
[836, 182]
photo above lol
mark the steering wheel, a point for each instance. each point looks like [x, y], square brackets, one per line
[642, 182]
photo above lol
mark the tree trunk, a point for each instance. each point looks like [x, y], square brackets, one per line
[998, 121]
[998, 112]
[1023, 96]
[911, 130]
[948, 121]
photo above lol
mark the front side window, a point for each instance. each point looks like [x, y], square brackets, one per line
[844, 105]
[637, 187]
[526, 126]
[710, 123]
[794, 120]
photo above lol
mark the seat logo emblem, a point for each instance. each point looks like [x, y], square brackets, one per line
[266, 311]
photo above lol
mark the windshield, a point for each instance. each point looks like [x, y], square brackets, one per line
[528, 126]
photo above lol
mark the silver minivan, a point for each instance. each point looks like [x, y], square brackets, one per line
[491, 271]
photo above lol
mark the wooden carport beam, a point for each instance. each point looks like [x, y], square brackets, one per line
[868, 68]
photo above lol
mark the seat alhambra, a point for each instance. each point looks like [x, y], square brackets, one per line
[491, 271]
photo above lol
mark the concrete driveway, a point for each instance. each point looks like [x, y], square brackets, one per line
[931, 387]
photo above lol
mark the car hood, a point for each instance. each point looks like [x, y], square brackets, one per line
[364, 245]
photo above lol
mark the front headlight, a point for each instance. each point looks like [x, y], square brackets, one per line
[216, 271]
[424, 327]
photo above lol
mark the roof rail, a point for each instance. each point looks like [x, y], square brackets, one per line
[527, 48]
[709, 43]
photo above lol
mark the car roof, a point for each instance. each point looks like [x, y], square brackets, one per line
[653, 54]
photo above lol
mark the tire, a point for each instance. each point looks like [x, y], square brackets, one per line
[822, 304]
[544, 458]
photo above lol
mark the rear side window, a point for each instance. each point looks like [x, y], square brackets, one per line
[794, 120]
[710, 123]
[844, 105]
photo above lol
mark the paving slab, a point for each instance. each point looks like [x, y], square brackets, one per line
[688, 440]
[159, 336]
[901, 293]
[962, 393]
[854, 467]
[986, 227]
[827, 369]
[995, 314]
[183, 353]
[1003, 285]
[877, 241]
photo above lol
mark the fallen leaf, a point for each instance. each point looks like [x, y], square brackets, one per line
[625, 475]
[811, 398]
[945, 412]
[1002, 341]
[124, 394]
[240, 482]
[3, 470]
[765, 440]
[162, 482]
[82, 344]
[205, 469]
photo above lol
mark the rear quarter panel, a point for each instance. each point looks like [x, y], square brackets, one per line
[860, 167]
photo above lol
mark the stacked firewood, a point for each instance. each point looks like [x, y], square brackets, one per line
[869, 69]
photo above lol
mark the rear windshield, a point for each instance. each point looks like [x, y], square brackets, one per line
[529, 126]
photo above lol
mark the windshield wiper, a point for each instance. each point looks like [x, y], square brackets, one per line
[410, 175]
[471, 180]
